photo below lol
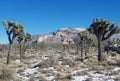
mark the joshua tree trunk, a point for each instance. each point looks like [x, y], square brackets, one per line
[77, 48]
[64, 48]
[86, 48]
[10, 47]
[81, 50]
[86, 51]
[24, 47]
[20, 50]
[9, 51]
[99, 50]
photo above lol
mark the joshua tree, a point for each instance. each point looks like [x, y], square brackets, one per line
[81, 35]
[85, 40]
[20, 39]
[76, 40]
[27, 38]
[13, 29]
[103, 29]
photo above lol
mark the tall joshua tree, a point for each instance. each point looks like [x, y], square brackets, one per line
[13, 29]
[27, 38]
[82, 35]
[103, 29]
[87, 42]
[20, 39]
[85, 39]
[76, 40]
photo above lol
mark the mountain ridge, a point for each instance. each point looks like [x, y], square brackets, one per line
[61, 35]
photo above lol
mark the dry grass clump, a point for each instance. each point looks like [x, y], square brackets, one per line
[68, 62]
[50, 62]
[40, 78]
[60, 77]
[78, 59]
[44, 71]
[111, 63]
[82, 73]
[113, 54]
[7, 73]
[66, 78]
[117, 79]
[96, 68]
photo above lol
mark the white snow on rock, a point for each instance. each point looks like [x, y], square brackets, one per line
[102, 76]
[117, 69]
[37, 61]
[96, 76]
[17, 61]
[29, 71]
[80, 78]
[45, 57]
[25, 78]
[50, 78]
[74, 72]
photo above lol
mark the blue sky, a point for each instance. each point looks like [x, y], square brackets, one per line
[42, 16]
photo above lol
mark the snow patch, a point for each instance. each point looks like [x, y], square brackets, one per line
[117, 69]
[50, 78]
[45, 57]
[29, 71]
[74, 72]
[80, 29]
[80, 78]
[17, 61]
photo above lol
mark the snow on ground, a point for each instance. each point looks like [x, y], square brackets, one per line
[102, 76]
[50, 78]
[117, 69]
[96, 76]
[17, 61]
[45, 57]
[80, 78]
[92, 75]
[29, 71]
[84, 69]
[37, 61]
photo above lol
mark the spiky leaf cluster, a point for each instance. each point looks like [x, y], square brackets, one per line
[28, 37]
[103, 29]
[13, 29]
[84, 35]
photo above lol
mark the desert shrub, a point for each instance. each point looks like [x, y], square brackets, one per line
[81, 73]
[89, 78]
[113, 54]
[117, 79]
[97, 68]
[78, 59]
[51, 61]
[44, 71]
[7, 74]
[37, 79]
[68, 62]
[58, 76]
[68, 77]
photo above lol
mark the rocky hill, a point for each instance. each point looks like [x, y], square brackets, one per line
[63, 35]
